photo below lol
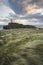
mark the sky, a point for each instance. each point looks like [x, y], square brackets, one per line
[27, 12]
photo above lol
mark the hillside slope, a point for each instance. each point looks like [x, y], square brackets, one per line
[21, 47]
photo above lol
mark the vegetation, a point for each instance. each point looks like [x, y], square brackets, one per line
[16, 25]
[21, 47]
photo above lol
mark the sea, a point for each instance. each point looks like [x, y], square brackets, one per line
[1, 27]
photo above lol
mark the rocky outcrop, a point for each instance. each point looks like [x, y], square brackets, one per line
[16, 25]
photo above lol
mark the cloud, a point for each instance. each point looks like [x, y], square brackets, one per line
[5, 5]
[25, 11]
[0, 2]
[37, 2]
[30, 9]
[23, 7]
[33, 22]
[2, 23]
[7, 9]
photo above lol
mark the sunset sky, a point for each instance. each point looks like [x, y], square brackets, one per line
[28, 12]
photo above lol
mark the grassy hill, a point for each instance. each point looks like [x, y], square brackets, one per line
[21, 47]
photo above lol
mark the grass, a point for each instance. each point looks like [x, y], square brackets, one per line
[21, 47]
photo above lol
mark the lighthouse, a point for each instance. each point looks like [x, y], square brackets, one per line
[11, 20]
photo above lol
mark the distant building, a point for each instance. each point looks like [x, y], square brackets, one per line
[11, 20]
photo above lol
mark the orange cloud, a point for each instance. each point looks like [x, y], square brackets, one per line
[30, 9]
